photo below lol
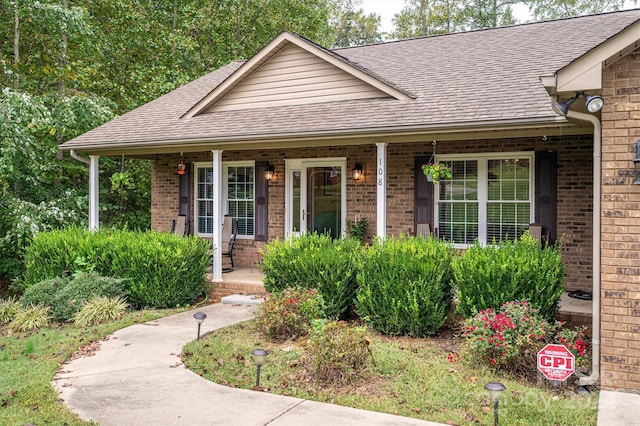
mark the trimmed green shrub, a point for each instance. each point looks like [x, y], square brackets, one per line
[100, 309]
[162, 270]
[336, 352]
[44, 293]
[405, 285]
[314, 261]
[487, 277]
[82, 288]
[288, 314]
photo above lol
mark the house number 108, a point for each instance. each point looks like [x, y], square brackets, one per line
[380, 172]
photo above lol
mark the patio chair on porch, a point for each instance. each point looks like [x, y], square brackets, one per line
[229, 233]
[180, 226]
[536, 230]
[423, 229]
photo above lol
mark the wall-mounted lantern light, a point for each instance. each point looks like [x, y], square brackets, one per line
[357, 172]
[269, 172]
[199, 317]
[182, 167]
[636, 164]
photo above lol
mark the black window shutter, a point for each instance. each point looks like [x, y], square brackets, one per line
[423, 195]
[184, 195]
[261, 208]
[546, 196]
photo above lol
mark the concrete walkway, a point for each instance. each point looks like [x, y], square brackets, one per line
[619, 409]
[136, 378]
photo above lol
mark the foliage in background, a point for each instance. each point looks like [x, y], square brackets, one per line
[404, 285]
[314, 261]
[486, 277]
[100, 309]
[337, 352]
[161, 270]
[509, 338]
[287, 314]
[351, 26]
[38, 190]
[543, 10]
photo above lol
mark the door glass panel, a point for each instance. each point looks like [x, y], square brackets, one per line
[324, 189]
[296, 201]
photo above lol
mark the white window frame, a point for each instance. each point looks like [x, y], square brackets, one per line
[482, 160]
[225, 182]
[225, 191]
[196, 167]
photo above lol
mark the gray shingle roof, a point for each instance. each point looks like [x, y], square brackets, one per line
[456, 78]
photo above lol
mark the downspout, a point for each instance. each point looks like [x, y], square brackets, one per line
[75, 156]
[597, 193]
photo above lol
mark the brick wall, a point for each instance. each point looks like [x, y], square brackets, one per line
[620, 322]
[574, 190]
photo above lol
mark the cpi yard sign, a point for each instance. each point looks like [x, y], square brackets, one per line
[556, 362]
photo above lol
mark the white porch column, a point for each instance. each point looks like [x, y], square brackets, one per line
[381, 193]
[94, 197]
[218, 212]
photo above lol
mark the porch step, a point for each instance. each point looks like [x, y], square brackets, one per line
[241, 299]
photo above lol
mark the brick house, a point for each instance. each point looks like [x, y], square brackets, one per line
[506, 108]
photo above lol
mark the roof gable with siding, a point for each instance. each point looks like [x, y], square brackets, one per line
[291, 70]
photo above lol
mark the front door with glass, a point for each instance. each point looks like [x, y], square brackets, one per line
[316, 196]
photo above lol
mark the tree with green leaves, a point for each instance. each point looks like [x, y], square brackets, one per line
[351, 26]
[543, 10]
[481, 14]
[428, 17]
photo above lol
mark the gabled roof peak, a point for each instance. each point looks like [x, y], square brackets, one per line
[292, 70]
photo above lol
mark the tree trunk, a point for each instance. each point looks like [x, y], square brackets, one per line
[16, 40]
[62, 62]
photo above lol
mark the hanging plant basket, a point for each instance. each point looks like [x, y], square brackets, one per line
[436, 171]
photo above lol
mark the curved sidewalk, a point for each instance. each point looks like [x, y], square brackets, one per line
[137, 378]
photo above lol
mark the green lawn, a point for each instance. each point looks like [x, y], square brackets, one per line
[410, 377]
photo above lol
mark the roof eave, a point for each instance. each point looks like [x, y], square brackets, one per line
[499, 128]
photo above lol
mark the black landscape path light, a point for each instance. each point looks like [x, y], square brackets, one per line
[199, 317]
[259, 356]
[495, 390]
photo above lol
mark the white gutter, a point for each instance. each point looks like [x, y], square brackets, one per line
[597, 205]
[75, 156]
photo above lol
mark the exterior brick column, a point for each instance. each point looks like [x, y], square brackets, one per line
[620, 322]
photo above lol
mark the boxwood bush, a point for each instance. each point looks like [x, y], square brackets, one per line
[487, 277]
[405, 285]
[66, 296]
[161, 270]
[314, 261]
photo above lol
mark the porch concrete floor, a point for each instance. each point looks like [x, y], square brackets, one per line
[241, 275]
[570, 305]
